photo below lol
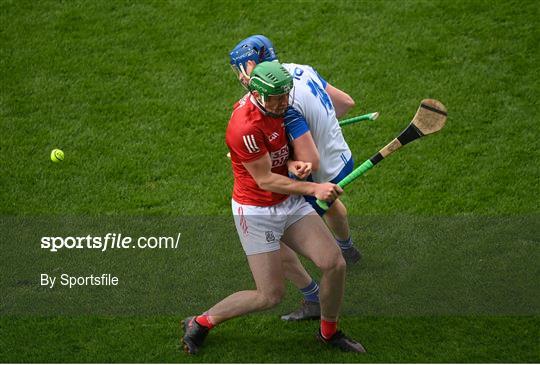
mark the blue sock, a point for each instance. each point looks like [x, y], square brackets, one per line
[311, 292]
[345, 244]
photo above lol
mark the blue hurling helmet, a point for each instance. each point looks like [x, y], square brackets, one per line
[256, 48]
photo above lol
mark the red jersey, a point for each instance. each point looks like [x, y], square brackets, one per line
[250, 135]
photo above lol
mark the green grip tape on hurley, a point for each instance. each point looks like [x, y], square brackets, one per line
[359, 171]
[369, 116]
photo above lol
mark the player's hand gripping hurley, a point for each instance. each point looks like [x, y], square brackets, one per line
[429, 118]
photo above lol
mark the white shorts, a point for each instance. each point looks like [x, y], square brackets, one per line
[261, 228]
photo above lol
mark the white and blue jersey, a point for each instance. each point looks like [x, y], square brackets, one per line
[312, 111]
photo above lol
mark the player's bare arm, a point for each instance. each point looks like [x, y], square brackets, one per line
[341, 100]
[305, 150]
[261, 171]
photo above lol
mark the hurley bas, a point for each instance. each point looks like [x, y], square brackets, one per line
[72, 281]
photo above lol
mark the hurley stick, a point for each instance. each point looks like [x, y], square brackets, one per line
[429, 118]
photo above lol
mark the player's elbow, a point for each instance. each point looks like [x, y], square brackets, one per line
[349, 103]
[345, 104]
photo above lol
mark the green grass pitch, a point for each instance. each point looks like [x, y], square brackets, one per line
[138, 95]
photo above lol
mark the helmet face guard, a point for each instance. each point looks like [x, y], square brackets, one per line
[266, 104]
[256, 48]
[271, 79]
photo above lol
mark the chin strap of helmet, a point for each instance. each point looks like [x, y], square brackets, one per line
[261, 102]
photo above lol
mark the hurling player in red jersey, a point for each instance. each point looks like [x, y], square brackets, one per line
[268, 207]
[314, 136]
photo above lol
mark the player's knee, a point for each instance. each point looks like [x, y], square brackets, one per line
[271, 298]
[275, 299]
[332, 260]
[340, 264]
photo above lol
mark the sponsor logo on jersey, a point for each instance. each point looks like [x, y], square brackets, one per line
[280, 156]
[251, 145]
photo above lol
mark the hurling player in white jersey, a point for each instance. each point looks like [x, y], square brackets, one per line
[315, 135]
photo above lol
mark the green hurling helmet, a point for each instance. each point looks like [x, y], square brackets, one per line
[270, 78]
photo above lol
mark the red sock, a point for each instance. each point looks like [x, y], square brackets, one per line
[204, 320]
[328, 328]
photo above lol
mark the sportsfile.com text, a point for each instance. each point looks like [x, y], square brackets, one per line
[109, 241]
